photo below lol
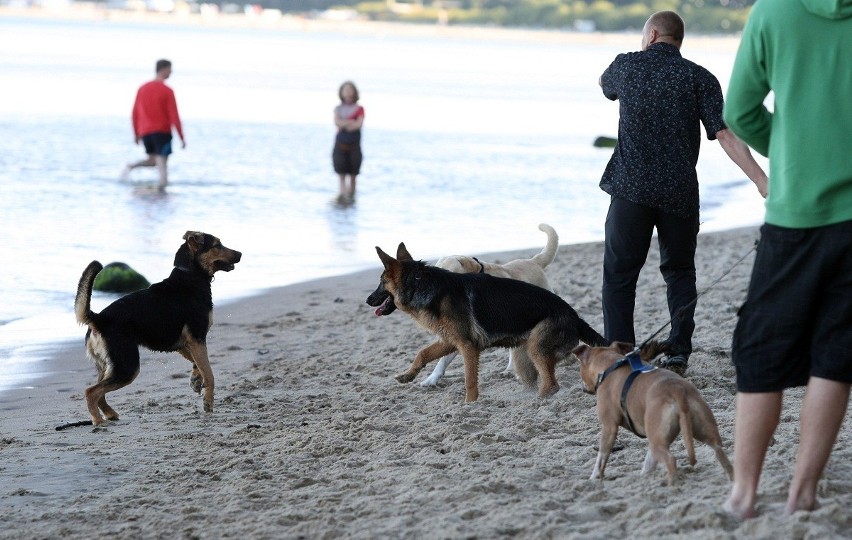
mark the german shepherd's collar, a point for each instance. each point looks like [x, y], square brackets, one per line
[470, 313]
[173, 315]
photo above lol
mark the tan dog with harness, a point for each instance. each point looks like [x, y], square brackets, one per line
[653, 403]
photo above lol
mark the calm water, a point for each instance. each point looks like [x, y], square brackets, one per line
[468, 143]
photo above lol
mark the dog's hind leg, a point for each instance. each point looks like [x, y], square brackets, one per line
[546, 365]
[524, 368]
[438, 372]
[510, 367]
[424, 356]
[118, 366]
[96, 398]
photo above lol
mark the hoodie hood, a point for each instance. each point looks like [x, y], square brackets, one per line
[829, 9]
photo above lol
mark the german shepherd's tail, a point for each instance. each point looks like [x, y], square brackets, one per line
[82, 304]
[589, 335]
[548, 253]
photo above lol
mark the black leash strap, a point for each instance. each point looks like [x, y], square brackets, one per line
[680, 311]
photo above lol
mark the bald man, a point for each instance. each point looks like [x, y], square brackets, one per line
[663, 101]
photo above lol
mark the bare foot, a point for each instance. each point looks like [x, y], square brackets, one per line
[738, 509]
[806, 505]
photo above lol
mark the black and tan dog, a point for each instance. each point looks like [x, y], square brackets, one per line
[173, 315]
[473, 312]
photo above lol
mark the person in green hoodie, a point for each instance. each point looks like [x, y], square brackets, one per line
[795, 328]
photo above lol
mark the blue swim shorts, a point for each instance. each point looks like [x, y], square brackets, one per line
[158, 143]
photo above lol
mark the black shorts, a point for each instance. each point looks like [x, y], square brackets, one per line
[158, 143]
[346, 158]
[797, 319]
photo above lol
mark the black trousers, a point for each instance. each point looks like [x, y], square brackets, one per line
[628, 232]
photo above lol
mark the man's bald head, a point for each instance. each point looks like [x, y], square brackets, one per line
[665, 26]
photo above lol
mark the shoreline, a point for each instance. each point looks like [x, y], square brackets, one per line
[286, 22]
[312, 437]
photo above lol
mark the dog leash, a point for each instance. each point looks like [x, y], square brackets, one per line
[680, 311]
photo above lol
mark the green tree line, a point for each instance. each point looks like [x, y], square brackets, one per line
[701, 16]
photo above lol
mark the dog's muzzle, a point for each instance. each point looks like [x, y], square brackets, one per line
[228, 265]
[383, 301]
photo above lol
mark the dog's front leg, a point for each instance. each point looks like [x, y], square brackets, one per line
[608, 433]
[195, 379]
[427, 354]
[471, 373]
[197, 352]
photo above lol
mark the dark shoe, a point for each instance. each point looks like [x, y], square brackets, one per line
[675, 362]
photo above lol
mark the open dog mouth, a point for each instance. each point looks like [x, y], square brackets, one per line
[386, 308]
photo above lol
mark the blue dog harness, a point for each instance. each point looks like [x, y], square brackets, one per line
[637, 367]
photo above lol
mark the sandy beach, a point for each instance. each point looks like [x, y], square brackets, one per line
[311, 436]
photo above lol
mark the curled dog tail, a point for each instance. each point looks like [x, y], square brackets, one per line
[548, 253]
[685, 418]
[82, 304]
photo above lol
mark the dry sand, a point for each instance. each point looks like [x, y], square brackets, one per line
[312, 437]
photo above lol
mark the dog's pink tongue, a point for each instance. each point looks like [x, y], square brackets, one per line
[381, 309]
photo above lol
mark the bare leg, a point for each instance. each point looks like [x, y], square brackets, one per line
[352, 185]
[162, 167]
[823, 411]
[342, 185]
[757, 417]
[150, 161]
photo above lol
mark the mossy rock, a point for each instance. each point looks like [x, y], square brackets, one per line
[605, 142]
[119, 278]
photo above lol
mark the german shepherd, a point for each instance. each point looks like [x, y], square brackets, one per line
[173, 315]
[470, 313]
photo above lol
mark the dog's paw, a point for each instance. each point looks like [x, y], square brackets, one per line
[430, 382]
[196, 383]
[208, 406]
[405, 377]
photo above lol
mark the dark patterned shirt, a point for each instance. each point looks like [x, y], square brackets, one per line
[662, 98]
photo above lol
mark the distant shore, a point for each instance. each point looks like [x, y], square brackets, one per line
[91, 11]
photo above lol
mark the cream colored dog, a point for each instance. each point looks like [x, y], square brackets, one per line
[529, 270]
[659, 404]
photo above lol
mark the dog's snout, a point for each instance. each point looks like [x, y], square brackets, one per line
[237, 256]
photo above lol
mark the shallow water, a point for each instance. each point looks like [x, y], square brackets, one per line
[468, 144]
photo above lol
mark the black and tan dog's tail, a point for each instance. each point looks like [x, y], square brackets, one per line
[82, 304]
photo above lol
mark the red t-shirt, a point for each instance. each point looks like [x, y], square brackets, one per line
[155, 110]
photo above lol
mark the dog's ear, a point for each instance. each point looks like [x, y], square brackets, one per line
[623, 348]
[402, 254]
[194, 239]
[582, 351]
[388, 261]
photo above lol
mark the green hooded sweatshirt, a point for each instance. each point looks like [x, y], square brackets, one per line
[801, 50]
